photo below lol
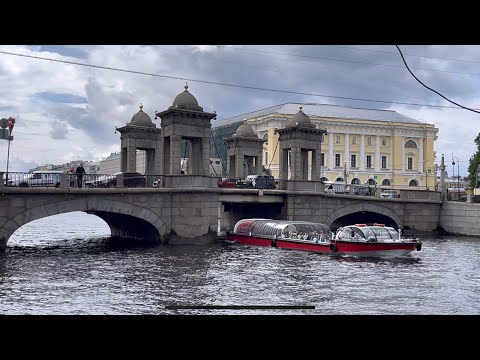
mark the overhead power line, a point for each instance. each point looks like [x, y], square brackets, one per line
[222, 84]
[393, 52]
[352, 61]
[429, 88]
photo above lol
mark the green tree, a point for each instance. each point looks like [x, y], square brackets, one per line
[474, 162]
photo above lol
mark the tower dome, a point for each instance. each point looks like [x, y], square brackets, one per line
[185, 100]
[300, 119]
[246, 130]
[141, 118]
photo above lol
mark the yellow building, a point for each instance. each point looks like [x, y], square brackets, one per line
[371, 146]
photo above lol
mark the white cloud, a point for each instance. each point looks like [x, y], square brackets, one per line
[57, 132]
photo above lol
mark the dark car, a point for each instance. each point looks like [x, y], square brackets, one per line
[130, 179]
[362, 190]
[258, 182]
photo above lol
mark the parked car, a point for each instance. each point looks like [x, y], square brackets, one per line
[389, 194]
[362, 190]
[257, 182]
[130, 179]
[44, 178]
[227, 182]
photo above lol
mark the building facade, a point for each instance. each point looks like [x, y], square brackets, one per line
[377, 147]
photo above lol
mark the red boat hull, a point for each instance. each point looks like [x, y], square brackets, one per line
[374, 248]
[353, 248]
[280, 243]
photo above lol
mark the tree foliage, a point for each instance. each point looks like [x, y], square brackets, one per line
[474, 162]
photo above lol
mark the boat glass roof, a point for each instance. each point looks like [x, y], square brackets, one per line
[279, 228]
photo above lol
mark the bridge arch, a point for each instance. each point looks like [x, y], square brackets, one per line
[363, 207]
[124, 219]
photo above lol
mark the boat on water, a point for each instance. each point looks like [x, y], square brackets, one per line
[373, 240]
[299, 235]
[354, 240]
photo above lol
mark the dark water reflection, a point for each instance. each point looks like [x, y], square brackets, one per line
[67, 264]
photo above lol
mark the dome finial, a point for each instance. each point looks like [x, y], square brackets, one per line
[186, 86]
[300, 107]
[141, 106]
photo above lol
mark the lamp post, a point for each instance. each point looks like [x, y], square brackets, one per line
[345, 174]
[458, 174]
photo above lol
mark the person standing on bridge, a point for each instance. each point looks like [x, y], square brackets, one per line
[80, 172]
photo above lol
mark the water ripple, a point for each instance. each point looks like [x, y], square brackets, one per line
[68, 264]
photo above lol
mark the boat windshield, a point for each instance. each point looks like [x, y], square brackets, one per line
[379, 232]
[282, 228]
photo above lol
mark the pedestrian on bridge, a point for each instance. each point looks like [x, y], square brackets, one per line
[80, 172]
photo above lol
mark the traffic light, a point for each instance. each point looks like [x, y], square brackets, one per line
[6, 128]
[10, 124]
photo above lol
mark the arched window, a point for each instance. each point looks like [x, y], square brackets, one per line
[413, 183]
[386, 182]
[371, 182]
[356, 181]
[411, 144]
[339, 179]
[323, 178]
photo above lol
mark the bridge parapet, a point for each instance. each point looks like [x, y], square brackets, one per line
[190, 181]
[301, 185]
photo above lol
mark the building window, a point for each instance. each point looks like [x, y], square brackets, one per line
[338, 139]
[384, 162]
[410, 163]
[384, 142]
[323, 138]
[266, 158]
[410, 144]
[354, 140]
[386, 182]
[413, 183]
[369, 161]
[322, 159]
[337, 160]
[353, 161]
[369, 141]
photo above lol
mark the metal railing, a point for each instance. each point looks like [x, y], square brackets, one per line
[67, 180]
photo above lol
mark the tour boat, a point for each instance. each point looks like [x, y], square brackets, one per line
[372, 240]
[356, 240]
[298, 235]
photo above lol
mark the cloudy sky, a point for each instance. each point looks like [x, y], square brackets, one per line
[68, 112]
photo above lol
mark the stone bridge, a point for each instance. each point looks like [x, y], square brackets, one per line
[198, 215]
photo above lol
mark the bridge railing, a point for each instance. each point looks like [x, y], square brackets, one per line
[68, 180]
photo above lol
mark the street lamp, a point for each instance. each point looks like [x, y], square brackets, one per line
[345, 174]
[458, 173]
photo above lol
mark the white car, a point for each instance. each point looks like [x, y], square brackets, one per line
[43, 178]
[392, 194]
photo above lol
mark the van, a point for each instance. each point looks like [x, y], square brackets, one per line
[336, 188]
[41, 178]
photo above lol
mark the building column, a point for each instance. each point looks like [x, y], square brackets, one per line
[175, 154]
[316, 165]
[239, 167]
[131, 159]
[403, 154]
[331, 163]
[362, 152]
[377, 154]
[421, 167]
[347, 150]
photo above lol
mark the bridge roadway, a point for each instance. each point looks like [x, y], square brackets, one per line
[197, 215]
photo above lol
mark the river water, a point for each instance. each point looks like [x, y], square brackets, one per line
[67, 264]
